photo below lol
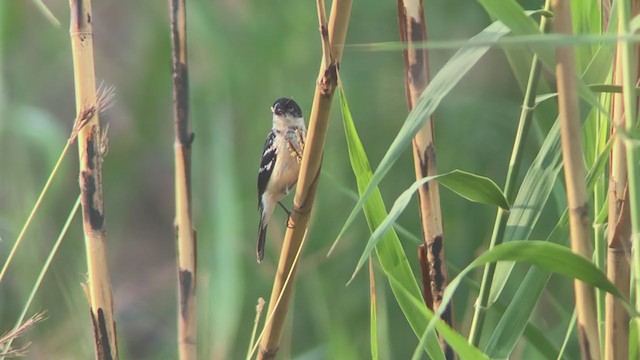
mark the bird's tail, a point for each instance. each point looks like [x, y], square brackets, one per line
[266, 210]
[262, 233]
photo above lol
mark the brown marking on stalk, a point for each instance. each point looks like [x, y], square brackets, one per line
[181, 81]
[418, 69]
[324, 32]
[622, 229]
[582, 212]
[103, 350]
[413, 32]
[424, 267]
[185, 278]
[329, 81]
[76, 15]
[434, 253]
[267, 354]
[584, 343]
[92, 206]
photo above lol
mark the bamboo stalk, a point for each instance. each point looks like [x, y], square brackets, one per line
[91, 150]
[413, 31]
[628, 65]
[510, 189]
[579, 223]
[186, 235]
[619, 237]
[333, 38]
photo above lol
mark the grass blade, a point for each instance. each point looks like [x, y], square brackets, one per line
[389, 250]
[43, 272]
[442, 83]
[373, 309]
[545, 255]
[507, 333]
[470, 186]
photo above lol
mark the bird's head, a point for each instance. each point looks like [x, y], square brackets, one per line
[286, 107]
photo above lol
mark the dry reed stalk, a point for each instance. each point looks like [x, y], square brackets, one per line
[92, 147]
[574, 171]
[413, 30]
[617, 318]
[186, 235]
[333, 38]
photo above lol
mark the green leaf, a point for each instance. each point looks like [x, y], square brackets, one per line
[567, 335]
[458, 342]
[598, 88]
[547, 256]
[373, 335]
[633, 339]
[507, 333]
[510, 13]
[539, 179]
[394, 261]
[470, 186]
[512, 324]
[442, 83]
[389, 250]
[531, 199]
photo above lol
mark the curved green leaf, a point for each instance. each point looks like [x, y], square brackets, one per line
[389, 250]
[394, 261]
[443, 82]
[545, 255]
[505, 336]
[470, 186]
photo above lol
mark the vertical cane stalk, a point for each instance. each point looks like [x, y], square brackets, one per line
[91, 150]
[579, 223]
[510, 189]
[333, 38]
[186, 235]
[413, 30]
[616, 342]
[628, 66]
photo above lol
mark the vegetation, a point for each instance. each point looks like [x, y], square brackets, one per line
[537, 95]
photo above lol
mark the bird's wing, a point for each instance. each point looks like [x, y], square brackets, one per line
[296, 142]
[266, 164]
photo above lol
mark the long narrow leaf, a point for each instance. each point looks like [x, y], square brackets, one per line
[545, 255]
[394, 261]
[443, 82]
[373, 313]
[470, 186]
[507, 333]
[538, 182]
[510, 13]
[389, 250]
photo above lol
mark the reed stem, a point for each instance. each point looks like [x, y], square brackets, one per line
[574, 171]
[333, 38]
[92, 147]
[185, 234]
[497, 236]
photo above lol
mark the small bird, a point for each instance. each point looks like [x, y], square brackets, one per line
[280, 163]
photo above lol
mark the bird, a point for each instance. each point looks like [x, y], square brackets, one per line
[280, 162]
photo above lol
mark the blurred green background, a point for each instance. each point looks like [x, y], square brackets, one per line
[242, 55]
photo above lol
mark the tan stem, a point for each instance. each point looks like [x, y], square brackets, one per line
[309, 171]
[413, 31]
[186, 236]
[616, 341]
[91, 149]
[579, 222]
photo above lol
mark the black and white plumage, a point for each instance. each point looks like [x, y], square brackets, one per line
[280, 163]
